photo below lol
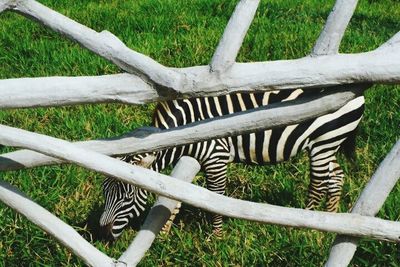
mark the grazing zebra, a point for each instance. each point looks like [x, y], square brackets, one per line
[320, 137]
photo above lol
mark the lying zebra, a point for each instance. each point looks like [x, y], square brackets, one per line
[320, 137]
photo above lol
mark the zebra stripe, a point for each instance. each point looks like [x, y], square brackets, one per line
[321, 137]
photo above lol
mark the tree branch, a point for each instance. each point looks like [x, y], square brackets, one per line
[185, 170]
[64, 233]
[370, 67]
[328, 43]
[4, 5]
[105, 44]
[369, 203]
[380, 66]
[392, 43]
[342, 223]
[145, 140]
[334, 28]
[61, 91]
[233, 36]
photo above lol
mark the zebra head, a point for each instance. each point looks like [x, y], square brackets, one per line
[123, 201]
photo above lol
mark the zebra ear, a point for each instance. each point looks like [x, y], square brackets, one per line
[147, 161]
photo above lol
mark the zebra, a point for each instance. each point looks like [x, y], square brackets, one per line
[320, 137]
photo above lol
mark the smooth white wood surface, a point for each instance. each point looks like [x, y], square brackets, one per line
[329, 40]
[61, 91]
[232, 39]
[104, 43]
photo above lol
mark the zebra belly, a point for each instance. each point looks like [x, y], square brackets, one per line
[256, 148]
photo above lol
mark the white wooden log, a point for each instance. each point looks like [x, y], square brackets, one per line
[369, 203]
[373, 67]
[392, 43]
[185, 170]
[146, 140]
[370, 67]
[61, 91]
[104, 43]
[232, 39]
[334, 28]
[342, 223]
[379, 66]
[61, 231]
[118, 88]
[330, 38]
[4, 5]
[280, 75]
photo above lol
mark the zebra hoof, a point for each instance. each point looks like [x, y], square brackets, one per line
[166, 228]
[216, 234]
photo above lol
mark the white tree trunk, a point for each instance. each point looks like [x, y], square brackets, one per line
[329, 40]
[61, 91]
[105, 44]
[4, 5]
[309, 72]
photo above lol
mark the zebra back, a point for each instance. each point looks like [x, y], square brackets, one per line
[262, 146]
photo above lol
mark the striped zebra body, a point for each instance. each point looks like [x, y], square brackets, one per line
[321, 137]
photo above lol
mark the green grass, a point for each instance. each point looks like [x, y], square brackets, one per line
[185, 33]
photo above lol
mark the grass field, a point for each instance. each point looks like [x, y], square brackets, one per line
[185, 33]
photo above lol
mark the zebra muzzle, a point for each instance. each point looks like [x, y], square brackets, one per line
[106, 232]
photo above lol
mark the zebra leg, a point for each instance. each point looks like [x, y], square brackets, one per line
[215, 170]
[335, 185]
[167, 226]
[316, 192]
[216, 182]
[319, 177]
